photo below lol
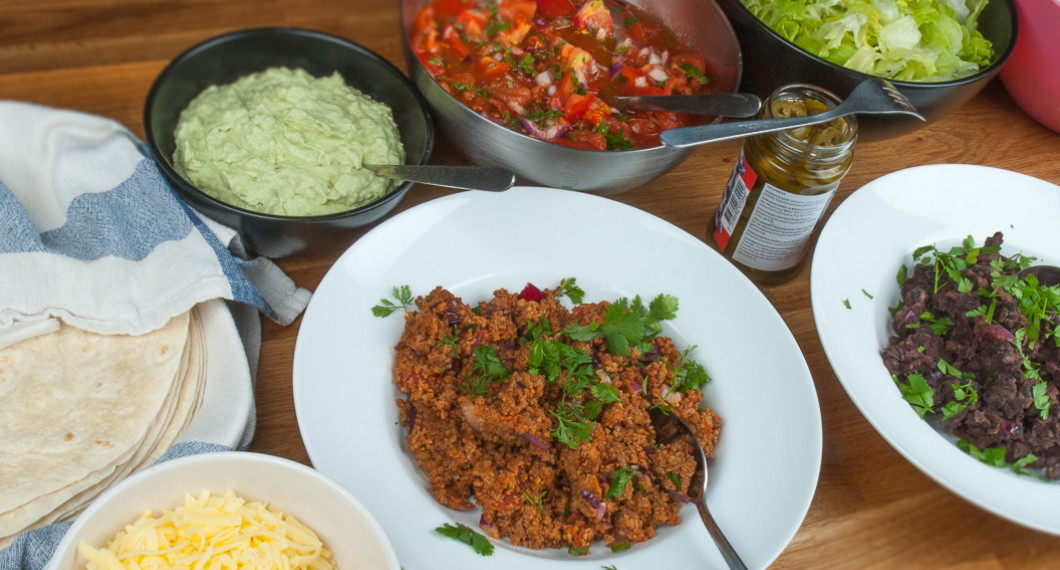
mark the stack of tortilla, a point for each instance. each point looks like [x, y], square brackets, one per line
[80, 411]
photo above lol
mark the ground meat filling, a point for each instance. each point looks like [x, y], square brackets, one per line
[1015, 380]
[493, 445]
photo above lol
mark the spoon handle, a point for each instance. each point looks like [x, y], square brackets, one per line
[700, 134]
[727, 551]
[465, 177]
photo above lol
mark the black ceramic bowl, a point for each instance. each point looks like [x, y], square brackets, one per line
[225, 59]
[770, 61]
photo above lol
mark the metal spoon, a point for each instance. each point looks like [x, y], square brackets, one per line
[717, 104]
[871, 96]
[1048, 275]
[487, 178]
[669, 428]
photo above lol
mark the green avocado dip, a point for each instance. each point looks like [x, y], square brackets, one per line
[286, 143]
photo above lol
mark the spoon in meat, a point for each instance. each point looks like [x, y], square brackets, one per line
[1048, 275]
[669, 428]
[487, 178]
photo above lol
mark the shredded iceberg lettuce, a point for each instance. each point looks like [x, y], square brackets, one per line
[907, 40]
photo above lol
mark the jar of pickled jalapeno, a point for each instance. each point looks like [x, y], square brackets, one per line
[781, 186]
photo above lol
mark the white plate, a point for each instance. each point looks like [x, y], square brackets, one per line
[765, 469]
[870, 235]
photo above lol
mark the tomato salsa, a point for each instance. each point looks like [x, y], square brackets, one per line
[552, 68]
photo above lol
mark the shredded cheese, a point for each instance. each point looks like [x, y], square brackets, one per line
[212, 532]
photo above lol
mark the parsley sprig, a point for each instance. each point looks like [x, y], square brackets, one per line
[628, 324]
[403, 296]
[463, 533]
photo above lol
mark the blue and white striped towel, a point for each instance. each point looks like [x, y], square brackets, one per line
[94, 235]
[91, 233]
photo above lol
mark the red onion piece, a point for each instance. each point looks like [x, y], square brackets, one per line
[471, 416]
[536, 441]
[595, 502]
[998, 333]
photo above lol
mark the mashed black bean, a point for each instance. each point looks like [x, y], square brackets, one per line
[975, 349]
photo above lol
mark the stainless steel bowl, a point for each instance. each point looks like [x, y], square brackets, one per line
[702, 25]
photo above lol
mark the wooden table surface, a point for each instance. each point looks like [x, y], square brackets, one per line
[872, 508]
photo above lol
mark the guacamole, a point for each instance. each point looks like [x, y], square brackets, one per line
[284, 142]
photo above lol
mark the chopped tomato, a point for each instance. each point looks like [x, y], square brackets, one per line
[512, 97]
[689, 59]
[424, 21]
[431, 63]
[556, 9]
[472, 22]
[492, 68]
[580, 138]
[594, 16]
[452, 37]
[636, 32]
[576, 105]
[451, 8]
[517, 10]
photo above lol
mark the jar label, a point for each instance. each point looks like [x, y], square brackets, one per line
[779, 227]
[733, 201]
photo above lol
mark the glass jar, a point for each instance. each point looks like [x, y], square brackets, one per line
[781, 186]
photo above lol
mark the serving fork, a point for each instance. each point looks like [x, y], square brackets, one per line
[871, 97]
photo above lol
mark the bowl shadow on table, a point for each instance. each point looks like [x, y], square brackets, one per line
[770, 61]
[226, 58]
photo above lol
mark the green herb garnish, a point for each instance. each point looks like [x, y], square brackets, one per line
[461, 532]
[619, 479]
[403, 296]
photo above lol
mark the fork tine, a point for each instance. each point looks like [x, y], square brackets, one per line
[906, 106]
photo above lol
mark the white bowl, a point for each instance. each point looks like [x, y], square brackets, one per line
[336, 516]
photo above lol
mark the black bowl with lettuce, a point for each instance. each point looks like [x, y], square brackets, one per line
[771, 60]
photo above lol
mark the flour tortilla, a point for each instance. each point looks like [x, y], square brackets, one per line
[186, 398]
[79, 411]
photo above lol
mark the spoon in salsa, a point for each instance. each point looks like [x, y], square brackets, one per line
[669, 428]
[489, 178]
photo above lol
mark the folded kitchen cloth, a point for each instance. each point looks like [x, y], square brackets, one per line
[92, 234]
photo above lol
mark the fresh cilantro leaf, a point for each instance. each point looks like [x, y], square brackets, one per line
[605, 393]
[451, 342]
[486, 369]
[694, 73]
[867, 294]
[917, 392]
[964, 395]
[675, 479]
[691, 375]
[846, 303]
[947, 368]
[462, 533]
[619, 479]
[570, 288]
[578, 550]
[1042, 401]
[995, 456]
[403, 296]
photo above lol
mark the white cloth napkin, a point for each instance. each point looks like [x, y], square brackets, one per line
[90, 233]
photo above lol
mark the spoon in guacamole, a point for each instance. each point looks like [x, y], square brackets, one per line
[489, 178]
